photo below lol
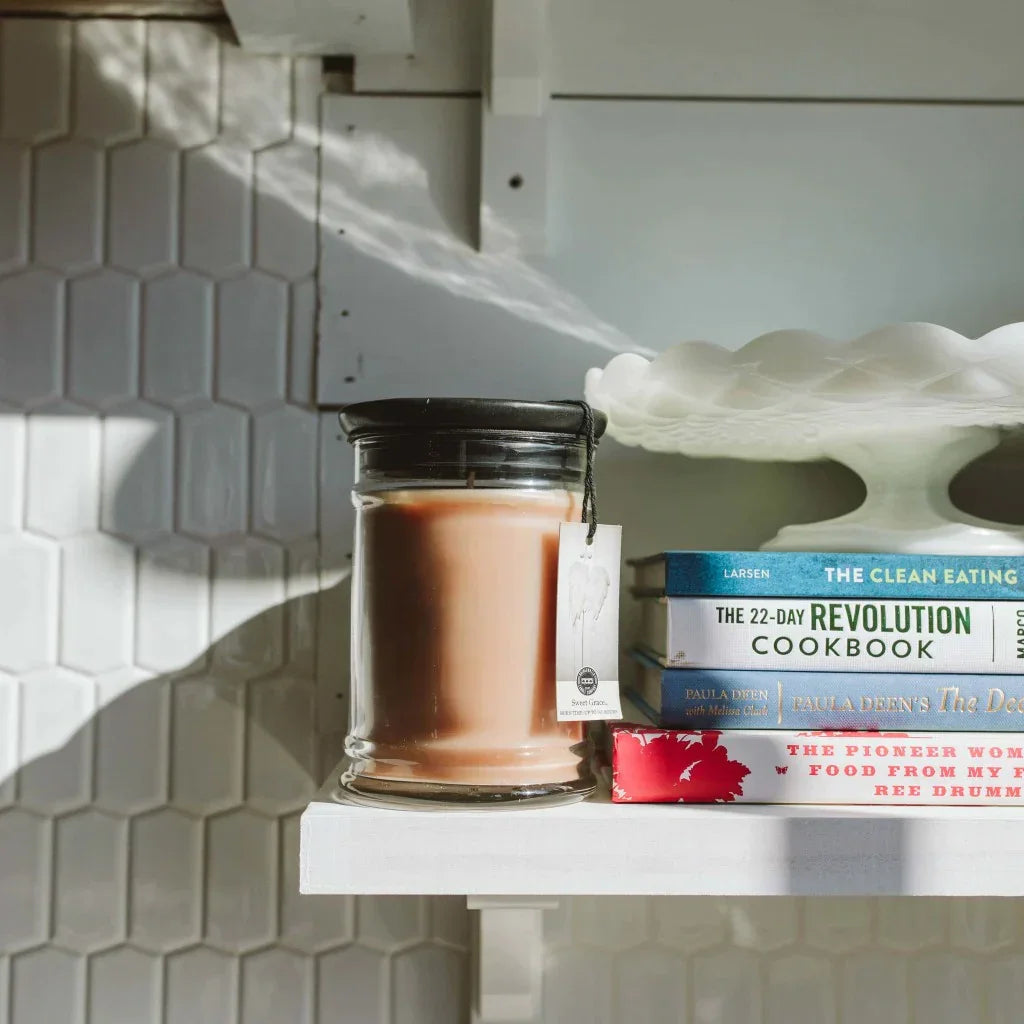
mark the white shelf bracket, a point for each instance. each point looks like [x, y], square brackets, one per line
[513, 160]
[508, 958]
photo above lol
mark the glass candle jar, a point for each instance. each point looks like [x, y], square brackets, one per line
[458, 503]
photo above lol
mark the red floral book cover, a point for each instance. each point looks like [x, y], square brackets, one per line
[652, 765]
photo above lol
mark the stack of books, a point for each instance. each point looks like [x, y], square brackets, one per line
[778, 677]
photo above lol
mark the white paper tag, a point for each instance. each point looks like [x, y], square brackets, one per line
[587, 630]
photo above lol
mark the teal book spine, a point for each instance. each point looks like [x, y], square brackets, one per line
[822, 574]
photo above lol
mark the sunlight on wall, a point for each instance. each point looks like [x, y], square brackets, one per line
[374, 161]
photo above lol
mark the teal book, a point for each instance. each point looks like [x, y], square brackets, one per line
[824, 574]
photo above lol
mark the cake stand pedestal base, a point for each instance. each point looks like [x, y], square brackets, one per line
[907, 509]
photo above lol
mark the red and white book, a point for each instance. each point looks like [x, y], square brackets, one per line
[655, 765]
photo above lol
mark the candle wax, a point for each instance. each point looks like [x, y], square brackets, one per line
[455, 638]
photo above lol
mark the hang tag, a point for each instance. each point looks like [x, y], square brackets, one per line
[587, 630]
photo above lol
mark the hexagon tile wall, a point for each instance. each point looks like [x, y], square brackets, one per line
[158, 550]
[158, 556]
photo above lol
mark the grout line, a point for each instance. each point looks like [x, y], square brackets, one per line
[50, 896]
[20, 452]
[314, 367]
[23, 225]
[204, 873]
[251, 184]
[277, 838]
[178, 198]
[90, 733]
[13, 738]
[146, 69]
[762, 969]
[58, 606]
[293, 98]
[252, 483]
[81, 1012]
[314, 986]
[282, 846]
[214, 296]
[177, 453]
[70, 63]
[218, 91]
[159, 1007]
[29, 248]
[19, 725]
[207, 656]
[125, 826]
[139, 297]
[136, 304]
[102, 419]
[289, 341]
[239, 989]
[7, 1006]
[245, 747]
[104, 207]
[169, 753]
[388, 988]
[64, 347]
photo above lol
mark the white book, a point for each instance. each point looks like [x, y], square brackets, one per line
[835, 635]
[652, 765]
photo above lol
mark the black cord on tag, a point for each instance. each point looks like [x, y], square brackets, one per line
[589, 490]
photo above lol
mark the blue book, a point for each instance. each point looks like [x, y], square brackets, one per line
[825, 574]
[858, 701]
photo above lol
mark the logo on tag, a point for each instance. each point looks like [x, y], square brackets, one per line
[586, 681]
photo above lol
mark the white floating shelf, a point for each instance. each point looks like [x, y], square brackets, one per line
[597, 847]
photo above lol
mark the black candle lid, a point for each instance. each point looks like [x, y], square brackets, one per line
[445, 415]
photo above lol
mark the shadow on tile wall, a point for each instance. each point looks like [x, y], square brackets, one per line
[160, 727]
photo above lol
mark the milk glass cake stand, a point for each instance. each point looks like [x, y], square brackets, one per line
[905, 407]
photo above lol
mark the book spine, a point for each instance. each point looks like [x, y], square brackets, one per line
[846, 636]
[705, 699]
[732, 766]
[816, 574]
